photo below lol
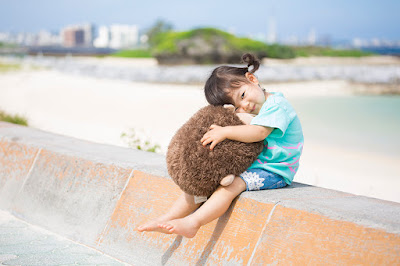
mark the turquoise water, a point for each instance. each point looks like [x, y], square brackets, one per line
[365, 123]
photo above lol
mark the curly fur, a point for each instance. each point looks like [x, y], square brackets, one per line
[196, 169]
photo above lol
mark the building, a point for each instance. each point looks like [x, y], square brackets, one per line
[78, 35]
[272, 34]
[46, 38]
[312, 37]
[103, 38]
[117, 36]
[123, 36]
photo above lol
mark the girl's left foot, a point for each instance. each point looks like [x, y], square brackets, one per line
[184, 227]
[152, 225]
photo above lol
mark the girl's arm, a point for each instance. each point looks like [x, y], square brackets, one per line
[243, 133]
[245, 117]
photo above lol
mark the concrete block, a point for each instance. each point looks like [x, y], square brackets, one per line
[145, 197]
[16, 159]
[304, 238]
[71, 196]
[369, 212]
[230, 239]
[148, 162]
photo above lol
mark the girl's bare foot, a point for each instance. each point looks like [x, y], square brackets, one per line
[185, 227]
[153, 226]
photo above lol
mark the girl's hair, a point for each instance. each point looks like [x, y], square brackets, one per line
[224, 78]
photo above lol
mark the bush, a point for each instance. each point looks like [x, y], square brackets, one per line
[306, 51]
[8, 45]
[15, 119]
[8, 67]
[138, 53]
[134, 141]
[280, 51]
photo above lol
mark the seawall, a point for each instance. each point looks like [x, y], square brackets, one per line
[98, 194]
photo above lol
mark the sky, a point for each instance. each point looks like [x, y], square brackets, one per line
[336, 19]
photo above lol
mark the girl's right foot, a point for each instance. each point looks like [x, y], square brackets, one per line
[186, 227]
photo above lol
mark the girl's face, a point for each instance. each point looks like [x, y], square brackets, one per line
[249, 98]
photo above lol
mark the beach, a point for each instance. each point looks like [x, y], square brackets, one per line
[101, 109]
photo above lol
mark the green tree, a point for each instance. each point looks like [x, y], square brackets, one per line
[155, 32]
[211, 45]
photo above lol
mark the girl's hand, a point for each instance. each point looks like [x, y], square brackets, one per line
[214, 136]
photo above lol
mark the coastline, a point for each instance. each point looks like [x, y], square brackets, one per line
[312, 60]
[372, 75]
[327, 60]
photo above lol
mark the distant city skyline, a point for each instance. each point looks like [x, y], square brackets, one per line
[289, 20]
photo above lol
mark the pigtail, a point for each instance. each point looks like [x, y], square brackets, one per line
[251, 60]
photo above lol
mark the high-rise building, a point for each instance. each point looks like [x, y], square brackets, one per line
[88, 35]
[123, 36]
[272, 35]
[312, 37]
[103, 39]
[117, 36]
[77, 35]
[45, 37]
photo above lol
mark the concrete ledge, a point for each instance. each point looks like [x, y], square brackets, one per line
[97, 194]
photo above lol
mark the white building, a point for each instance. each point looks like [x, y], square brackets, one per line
[291, 40]
[88, 30]
[47, 38]
[27, 38]
[117, 36]
[5, 37]
[123, 36]
[272, 34]
[103, 39]
[357, 42]
[312, 37]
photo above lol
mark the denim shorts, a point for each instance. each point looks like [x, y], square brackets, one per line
[259, 179]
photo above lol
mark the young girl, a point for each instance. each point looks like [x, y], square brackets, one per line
[275, 122]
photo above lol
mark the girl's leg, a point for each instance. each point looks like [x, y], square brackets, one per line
[182, 207]
[213, 208]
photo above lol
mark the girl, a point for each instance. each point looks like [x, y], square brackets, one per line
[275, 122]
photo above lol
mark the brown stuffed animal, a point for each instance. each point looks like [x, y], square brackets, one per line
[196, 169]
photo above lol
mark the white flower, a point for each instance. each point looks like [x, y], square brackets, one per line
[254, 181]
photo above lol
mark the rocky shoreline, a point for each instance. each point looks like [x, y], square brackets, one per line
[374, 75]
[375, 89]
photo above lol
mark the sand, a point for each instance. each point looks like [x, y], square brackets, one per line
[99, 110]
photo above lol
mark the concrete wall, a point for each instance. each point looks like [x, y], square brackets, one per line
[98, 194]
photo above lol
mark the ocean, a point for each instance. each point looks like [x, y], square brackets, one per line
[364, 123]
[383, 50]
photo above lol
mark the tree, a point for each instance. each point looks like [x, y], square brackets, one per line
[154, 32]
